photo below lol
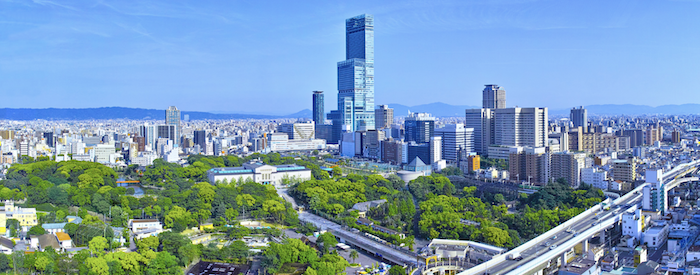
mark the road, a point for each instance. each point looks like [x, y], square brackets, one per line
[537, 250]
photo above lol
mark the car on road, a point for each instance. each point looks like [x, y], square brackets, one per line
[545, 244]
[552, 247]
[554, 237]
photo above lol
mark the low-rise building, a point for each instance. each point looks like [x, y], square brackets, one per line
[260, 173]
[26, 216]
[64, 240]
[6, 246]
[136, 225]
[580, 266]
[656, 236]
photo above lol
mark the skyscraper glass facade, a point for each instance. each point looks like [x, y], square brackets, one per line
[356, 77]
[318, 108]
[172, 117]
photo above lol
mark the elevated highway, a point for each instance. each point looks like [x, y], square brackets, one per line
[538, 252]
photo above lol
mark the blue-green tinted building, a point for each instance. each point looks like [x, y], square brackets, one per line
[356, 78]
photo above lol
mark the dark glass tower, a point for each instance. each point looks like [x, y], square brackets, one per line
[318, 108]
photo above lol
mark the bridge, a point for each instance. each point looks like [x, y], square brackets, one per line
[557, 242]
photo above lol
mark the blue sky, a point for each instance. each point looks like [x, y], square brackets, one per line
[267, 56]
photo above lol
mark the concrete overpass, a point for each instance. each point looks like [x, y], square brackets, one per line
[538, 252]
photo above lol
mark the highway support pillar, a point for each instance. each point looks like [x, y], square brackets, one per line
[563, 259]
[584, 246]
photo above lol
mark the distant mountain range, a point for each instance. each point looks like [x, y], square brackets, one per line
[437, 109]
[440, 109]
[123, 113]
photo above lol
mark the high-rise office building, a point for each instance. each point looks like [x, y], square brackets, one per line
[200, 138]
[48, 136]
[521, 127]
[384, 117]
[356, 78]
[167, 132]
[481, 120]
[494, 97]
[318, 108]
[172, 117]
[455, 138]
[419, 128]
[579, 117]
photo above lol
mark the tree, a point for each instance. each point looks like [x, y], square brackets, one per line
[4, 263]
[42, 263]
[310, 271]
[397, 270]
[97, 266]
[163, 264]
[231, 213]
[98, 245]
[150, 243]
[354, 255]
[36, 230]
[327, 240]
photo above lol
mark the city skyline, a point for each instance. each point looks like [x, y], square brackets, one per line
[81, 55]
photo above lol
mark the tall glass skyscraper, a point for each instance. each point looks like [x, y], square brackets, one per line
[172, 117]
[318, 108]
[356, 78]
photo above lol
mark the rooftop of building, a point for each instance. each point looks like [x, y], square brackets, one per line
[579, 266]
[62, 236]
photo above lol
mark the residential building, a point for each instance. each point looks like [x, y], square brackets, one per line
[260, 173]
[596, 177]
[521, 127]
[633, 224]
[64, 240]
[26, 216]
[656, 236]
[317, 108]
[636, 137]
[494, 97]
[7, 246]
[624, 170]
[567, 165]
[527, 164]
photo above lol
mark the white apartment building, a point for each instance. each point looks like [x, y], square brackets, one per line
[594, 176]
[521, 127]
